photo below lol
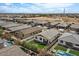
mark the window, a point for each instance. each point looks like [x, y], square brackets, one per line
[61, 41]
[40, 38]
[77, 44]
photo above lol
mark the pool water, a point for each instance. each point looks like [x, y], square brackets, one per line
[62, 53]
[8, 43]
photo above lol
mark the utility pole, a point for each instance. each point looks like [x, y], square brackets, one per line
[64, 11]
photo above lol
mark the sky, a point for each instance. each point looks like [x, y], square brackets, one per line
[39, 7]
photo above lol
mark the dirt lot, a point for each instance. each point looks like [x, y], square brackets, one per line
[58, 19]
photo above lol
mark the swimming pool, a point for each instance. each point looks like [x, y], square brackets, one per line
[8, 43]
[62, 53]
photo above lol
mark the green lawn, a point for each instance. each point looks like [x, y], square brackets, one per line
[58, 47]
[74, 52]
[33, 45]
[37, 44]
[1, 31]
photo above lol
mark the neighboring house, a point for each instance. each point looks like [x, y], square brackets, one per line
[24, 33]
[12, 51]
[13, 29]
[51, 25]
[54, 24]
[40, 22]
[69, 40]
[46, 37]
[10, 24]
[6, 19]
[62, 26]
[2, 22]
[23, 20]
[75, 27]
[28, 21]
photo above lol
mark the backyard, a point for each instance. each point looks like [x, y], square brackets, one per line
[37, 44]
[33, 45]
[1, 31]
[58, 47]
[75, 52]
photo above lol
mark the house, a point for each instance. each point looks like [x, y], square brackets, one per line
[24, 33]
[12, 51]
[69, 40]
[53, 24]
[23, 20]
[75, 27]
[10, 24]
[28, 21]
[2, 22]
[13, 29]
[6, 19]
[63, 26]
[40, 22]
[48, 36]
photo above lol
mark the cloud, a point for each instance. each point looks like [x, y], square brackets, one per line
[52, 8]
[33, 7]
[54, 5]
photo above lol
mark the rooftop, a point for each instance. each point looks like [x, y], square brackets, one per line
[76, 26]
[68, 37]
[11, 25]
[2, 23]
[12, 51]
[63, 24]
[49, 34]
[30, 30]
[19, 27]
[54, 23]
